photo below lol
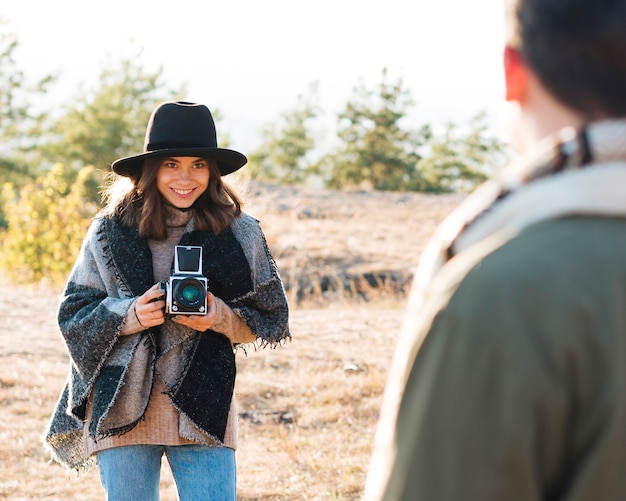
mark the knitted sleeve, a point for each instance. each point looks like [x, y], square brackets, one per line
[230, 324]
[132, 325]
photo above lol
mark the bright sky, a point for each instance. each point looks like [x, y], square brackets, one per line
[252, 58]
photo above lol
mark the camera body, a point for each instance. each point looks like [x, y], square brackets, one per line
[186, 289]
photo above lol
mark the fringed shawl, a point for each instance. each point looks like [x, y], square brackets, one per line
[198, 369]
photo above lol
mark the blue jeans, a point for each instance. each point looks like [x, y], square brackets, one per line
[132, 473]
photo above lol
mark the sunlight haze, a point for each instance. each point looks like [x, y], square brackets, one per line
[252, 59]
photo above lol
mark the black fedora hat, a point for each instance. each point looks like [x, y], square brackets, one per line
[176, 129]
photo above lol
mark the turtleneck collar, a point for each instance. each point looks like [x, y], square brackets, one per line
[177, 218]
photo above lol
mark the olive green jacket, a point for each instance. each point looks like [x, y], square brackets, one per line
[519, 390]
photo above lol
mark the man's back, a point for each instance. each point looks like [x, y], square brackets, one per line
[521, 379]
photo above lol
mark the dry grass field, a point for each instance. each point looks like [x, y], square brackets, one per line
[307, 410]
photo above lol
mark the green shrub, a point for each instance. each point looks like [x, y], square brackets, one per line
[46, 222]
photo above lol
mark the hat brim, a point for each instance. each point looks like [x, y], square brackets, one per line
[228, 161]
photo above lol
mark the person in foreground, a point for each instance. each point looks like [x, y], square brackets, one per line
[509, 378]
[144, 381]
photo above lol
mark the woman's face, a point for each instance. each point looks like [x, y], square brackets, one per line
[181, 180]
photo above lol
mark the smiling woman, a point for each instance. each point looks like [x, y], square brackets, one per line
[144, 382]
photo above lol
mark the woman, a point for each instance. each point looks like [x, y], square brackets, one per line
[143, 382]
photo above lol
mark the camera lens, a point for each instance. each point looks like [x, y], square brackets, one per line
[189, 293]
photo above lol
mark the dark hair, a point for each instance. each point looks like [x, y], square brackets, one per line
[138, 202]
[577, 48]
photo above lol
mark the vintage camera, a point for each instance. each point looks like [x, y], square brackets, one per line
[186, 290]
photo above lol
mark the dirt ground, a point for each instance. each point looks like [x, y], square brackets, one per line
[324, 240]
[307, 410]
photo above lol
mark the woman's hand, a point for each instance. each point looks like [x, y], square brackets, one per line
[200, 322]
[150, 307]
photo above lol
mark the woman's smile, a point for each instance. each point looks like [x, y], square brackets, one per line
[183, 193]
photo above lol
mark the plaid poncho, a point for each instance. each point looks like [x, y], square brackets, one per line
[198, 369]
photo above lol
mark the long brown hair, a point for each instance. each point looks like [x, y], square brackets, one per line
[138, 202]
